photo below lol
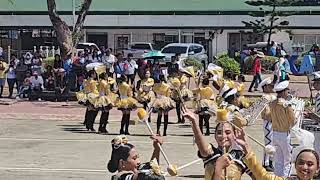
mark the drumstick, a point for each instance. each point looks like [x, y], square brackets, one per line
[186, 165]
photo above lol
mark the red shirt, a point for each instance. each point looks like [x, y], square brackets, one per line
[256, 67]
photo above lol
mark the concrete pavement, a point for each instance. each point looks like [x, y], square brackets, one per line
[37, 143]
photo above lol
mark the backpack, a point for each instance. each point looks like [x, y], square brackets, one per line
[273, 67]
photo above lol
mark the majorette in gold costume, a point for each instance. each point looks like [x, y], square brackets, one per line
[125, 100]
[106, 99]
[179, 88]
[145, 93]
[162, 102]
[89, 92]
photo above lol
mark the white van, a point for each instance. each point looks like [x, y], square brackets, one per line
[186, 50]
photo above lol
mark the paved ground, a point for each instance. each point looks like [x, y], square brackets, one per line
[38, 142]
[46, 141]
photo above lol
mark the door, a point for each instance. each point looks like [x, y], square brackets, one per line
[98, 39]
[121, 41]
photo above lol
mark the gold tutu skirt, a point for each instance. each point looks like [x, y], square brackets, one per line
[127, 103]
[145, 97]
[163, 103]
[205, 105]
[82, 97]
[186, 95]
[105, 102]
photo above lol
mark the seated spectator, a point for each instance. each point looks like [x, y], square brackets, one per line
[57, 63]
[25, 88]
[28, 59]
[50, 84]
[61, 85]
[36, 82]
[48, 73]
[37, 64]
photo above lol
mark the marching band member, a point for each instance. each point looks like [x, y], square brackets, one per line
[204, 104]
[267, 87]
[91, 112]
[180, 89]
[162, 104]
[232, 103]
[89, 93]
[125, 161]
[125, 103]
[283, 118]
[145, 93]
[211, 155]
[105, 101]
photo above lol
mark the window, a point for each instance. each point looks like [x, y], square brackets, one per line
[197, 49]
[141, 46]
[175, 49]
[306, 41]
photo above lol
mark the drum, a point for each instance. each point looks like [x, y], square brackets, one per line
[315, 129]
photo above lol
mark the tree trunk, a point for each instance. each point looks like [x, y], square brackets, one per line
[271, 26]
[66, 38]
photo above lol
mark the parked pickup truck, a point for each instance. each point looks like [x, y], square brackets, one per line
[139, 48]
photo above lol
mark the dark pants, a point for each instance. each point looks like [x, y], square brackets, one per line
[178, 110]
[205, 118]
[145, 104]
[256, 80]
[125, 123]
[11, 83]
[90, 118]
[166, 122]
[103, 121]
[130, 78]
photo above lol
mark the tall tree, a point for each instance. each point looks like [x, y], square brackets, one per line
[268, 20]
[67, 38]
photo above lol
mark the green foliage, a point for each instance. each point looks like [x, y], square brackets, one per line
[266, 63]
[228, 64]
[48, 61]
[193, 62]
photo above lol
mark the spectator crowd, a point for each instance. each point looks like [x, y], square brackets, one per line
[32, 73]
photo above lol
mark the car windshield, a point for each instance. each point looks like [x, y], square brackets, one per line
[175, 49]
[141, 46]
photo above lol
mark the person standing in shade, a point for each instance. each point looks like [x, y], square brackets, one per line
[130, 71]
[11, 78]
[3, 71]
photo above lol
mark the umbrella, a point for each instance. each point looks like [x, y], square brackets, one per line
[153, 55]
[93, 66]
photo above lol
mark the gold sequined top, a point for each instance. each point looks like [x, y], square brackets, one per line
[104, 86]
[258, 171]
[162, 89]
[204, 92]
[282, 118]
[90, 86]
[234, 170]
[125, 90]
[146, 84]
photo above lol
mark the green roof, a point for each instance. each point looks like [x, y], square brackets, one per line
[25, 6]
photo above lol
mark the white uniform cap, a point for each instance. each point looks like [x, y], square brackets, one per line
[281, 86]
[224, 89]
[266, 81]
[231, 92]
